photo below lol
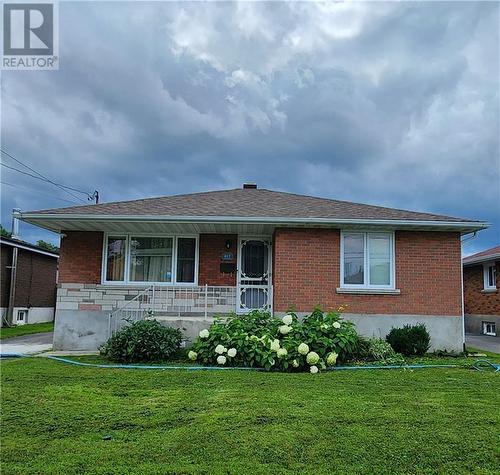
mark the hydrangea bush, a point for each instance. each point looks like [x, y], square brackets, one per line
[286, 344]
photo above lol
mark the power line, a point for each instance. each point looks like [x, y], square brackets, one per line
[36, 191]
[38, 178]
[65, 188]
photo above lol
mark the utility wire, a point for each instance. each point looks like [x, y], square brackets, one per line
[36, 191]
[44, 178]
[38, 178]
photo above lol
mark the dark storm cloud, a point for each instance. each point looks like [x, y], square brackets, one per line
[395, 104]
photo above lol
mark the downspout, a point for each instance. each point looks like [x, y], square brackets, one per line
[13, 268]
[12, 290]
[463, 306]
[462, 286]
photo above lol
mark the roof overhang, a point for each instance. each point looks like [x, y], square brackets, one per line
[58, 222]
[20, 245]
[480, 259]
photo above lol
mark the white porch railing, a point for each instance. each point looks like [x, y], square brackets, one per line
[136, 309]
[174, 301]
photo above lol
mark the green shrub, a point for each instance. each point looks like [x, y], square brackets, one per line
[410, 340]
[143, 341]
[261, 340]
[375, 349]
[381, 351]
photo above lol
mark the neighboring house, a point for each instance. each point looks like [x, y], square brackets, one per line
[28, 282]
[481, 292]
[193, 256]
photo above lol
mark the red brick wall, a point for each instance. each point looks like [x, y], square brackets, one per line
[477, 302]
[307, 273]
[80, 257]
[212, 247]
[35, 280]
[5, 261]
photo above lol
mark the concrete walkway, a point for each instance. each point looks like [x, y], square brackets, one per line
[27, 344]
[483, 342]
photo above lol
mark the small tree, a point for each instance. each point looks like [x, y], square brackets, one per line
[47, 246]
[4, 232]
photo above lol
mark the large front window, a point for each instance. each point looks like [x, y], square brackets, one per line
[150, 259]
[155, 259]
[367, 260]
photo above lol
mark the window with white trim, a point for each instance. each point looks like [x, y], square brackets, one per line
[367, 260]
[490, 276]
[489, 328]
[150, 259]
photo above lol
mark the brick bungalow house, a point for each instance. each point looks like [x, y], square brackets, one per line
[189, 257]
[27, 282]
[481, 292]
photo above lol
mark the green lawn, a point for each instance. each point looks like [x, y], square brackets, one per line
[26, 330]
[55, 418]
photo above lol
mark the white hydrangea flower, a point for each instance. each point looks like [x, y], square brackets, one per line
[312, 358]
[219, 349]
[272, 362]
[313, 369]
[275, 344]
[281, 352]
[221, 359]
[204, 333]
[331, 359]
[192, 355]
[285, 329]
[336, 324]
[231, 352]
[295, 363]
[287, 319]
[303, 349]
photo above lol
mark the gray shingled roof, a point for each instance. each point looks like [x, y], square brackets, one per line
[483, 256]
[255, 203]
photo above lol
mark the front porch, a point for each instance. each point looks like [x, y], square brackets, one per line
[163, 302]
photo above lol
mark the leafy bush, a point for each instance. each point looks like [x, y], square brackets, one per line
[410, 340]
[261, 340]
[375, 349]
[142, 341]
[381, 351]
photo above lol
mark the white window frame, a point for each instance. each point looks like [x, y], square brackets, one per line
[25, 311]
[486, 277]
[366, 272]
[492, 325]
[126, 280]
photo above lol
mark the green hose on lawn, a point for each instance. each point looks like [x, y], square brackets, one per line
[479, 365]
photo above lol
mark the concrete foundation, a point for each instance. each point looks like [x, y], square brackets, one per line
[474, 323]
[35, 314]
[446, 331]
[87, 330]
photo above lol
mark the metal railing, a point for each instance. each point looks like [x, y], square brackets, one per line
[158, 301]
[197, 301]
[135, 309]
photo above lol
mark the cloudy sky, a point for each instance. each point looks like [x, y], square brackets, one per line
[395, 104]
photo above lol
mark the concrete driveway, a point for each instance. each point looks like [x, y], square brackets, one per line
[27, 344]
[483, 342]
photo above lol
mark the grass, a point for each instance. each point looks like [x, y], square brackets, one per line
[489, 354]
[56, 419]
[10, 332]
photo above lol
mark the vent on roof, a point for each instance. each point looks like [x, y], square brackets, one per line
[249, 186]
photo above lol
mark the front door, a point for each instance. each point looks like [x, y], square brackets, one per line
[254, 275]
